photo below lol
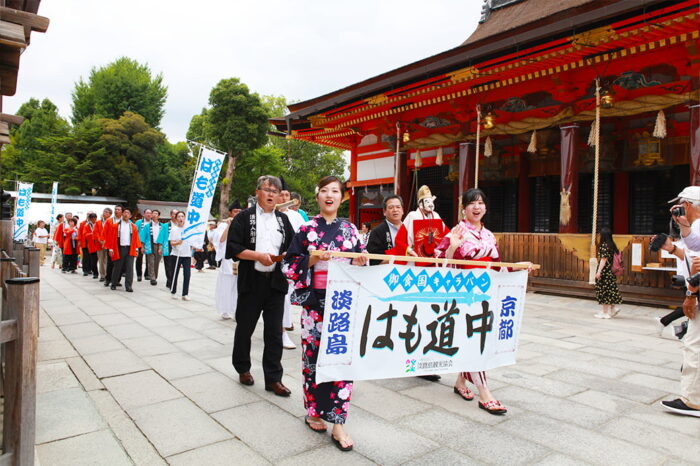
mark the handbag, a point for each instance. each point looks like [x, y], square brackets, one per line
[617, 267]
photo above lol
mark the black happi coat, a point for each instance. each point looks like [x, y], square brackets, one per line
[379, 241]
[241, 236]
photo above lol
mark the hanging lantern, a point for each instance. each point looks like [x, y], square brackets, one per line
[438, 157]
[419, 159]
[660, 126]
[532, 148]
[406, 137]
[606, 99]
[489, 120]
[488, 147]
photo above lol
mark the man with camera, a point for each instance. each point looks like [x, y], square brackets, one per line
[686, 212]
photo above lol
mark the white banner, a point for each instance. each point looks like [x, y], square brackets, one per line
[206, 177]
[54, 196]
[390, 321]
[24, 200]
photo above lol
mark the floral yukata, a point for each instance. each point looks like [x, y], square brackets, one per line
[477, 245]
[330, 400]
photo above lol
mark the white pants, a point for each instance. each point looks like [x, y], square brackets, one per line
[226, 295]
[287, 317]
[690, 376]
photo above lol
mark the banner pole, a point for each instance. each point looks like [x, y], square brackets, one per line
[431, 260]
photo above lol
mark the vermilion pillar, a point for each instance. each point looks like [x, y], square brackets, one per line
[569, 179]
[466, 166]
[695, 144]
[353, 177]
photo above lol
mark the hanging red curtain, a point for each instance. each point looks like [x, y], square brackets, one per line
[568, 208]
[695, 144]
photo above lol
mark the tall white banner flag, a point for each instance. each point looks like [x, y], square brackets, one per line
[24, 200]
[54, 196]
[389, 321]
[206, 177]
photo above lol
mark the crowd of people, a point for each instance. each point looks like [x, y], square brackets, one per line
[266, 263]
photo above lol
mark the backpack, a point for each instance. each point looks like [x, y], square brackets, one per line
[617, 266]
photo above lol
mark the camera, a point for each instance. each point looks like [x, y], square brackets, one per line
[657, 241]
[678, 212]
[678, 281]
[694, 280]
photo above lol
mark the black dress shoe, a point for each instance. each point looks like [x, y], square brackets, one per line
[85, 274]
[102, 279]
[278, 388]
[129, 290]
[154, 283]
[138, 279]
[246, 378]
[431, 378]
[118, 284]
[95, 277]
[106, 283]
[112, 287]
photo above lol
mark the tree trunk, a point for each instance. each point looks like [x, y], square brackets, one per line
[225, 195]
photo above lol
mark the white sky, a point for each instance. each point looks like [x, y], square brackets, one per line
[299, 49]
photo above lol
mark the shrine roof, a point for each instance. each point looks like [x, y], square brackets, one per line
[502, 16]
[544, 21]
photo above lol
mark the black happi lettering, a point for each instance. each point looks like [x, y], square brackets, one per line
[365, 330]
[385, 341]
[409, 334]
[442, 343]
[486, 318]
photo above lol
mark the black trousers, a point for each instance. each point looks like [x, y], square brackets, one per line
[270, 302]
[139, 265]
[169, 262]
[199, 257]
[671, 316]
[70, 262]
[89, 262]
[186, 264]
[110, 269]
[211, 258]
[125, 263]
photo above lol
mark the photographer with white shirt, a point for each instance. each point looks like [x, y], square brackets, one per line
[686, 212]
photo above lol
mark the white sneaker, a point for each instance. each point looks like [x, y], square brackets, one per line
[173, 296]
[287, 342]
[599, 315]
[616, 310]
[660, 325]
[186, 298]
[225, 316]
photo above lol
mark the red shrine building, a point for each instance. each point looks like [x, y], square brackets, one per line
[511, 109]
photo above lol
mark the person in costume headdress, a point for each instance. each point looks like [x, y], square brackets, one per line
[422, 229]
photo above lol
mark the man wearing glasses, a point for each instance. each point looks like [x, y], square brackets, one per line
[258, 239]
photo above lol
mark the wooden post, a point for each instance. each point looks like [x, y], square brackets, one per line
[6, 265]
[18, 252]
[31, 260]
[19, 421]
[6, 236]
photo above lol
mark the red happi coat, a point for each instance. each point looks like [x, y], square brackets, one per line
[68, 248]
[111, 235]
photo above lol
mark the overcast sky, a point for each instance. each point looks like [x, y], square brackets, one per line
[299, 49]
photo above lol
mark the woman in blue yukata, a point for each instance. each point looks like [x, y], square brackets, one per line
[324, 402]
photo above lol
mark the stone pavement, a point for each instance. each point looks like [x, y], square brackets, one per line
[139, 378]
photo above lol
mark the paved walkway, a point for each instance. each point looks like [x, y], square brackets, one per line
[140, 378]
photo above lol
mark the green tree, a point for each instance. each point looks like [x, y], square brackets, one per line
[305, 162]
[172, 172]
[124, 85]
[31, 148]
[235, 122]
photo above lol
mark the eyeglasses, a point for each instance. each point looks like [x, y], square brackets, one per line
[270, 191]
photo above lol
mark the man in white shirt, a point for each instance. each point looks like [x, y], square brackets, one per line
[257, 239]
[41, 240]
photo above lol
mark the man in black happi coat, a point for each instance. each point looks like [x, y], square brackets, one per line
[258, 238]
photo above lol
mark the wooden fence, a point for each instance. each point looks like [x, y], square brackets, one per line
[564, 261]
[19, 332]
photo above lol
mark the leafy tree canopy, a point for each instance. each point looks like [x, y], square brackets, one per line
[124, 85]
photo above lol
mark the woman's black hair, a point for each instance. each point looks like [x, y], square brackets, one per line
[607, 238]
[471, 195]
[368, 225]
